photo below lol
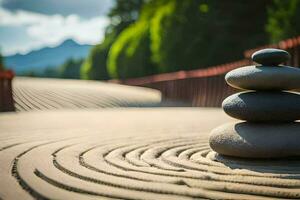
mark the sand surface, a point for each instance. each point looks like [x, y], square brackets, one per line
[52, 94]
[130, 153]
[157, 153]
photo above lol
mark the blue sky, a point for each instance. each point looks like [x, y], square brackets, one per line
[31, 24]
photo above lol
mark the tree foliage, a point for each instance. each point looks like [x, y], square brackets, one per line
[1, 63]
[283, 21]
[94, 67]
[173, 35]
[121, 16]
[130, 54]
[195, 34]
[71, 69]
[158, 36]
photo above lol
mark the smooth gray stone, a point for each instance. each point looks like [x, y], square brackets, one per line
[255, 140]
[270, 56]
[263, 106]
[264, 78]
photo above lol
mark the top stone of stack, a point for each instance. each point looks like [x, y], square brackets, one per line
[267, 76]
[270, 56]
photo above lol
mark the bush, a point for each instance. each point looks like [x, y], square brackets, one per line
[130, 54]
[94, 67]
[283, 20]
[1, 63]
[71, 69]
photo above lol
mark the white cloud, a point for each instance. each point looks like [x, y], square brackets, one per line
[58, 28]
[53, 29]
[86, 8]
[18, 18]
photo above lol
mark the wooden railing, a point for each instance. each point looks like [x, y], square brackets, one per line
[203, 87]
[207, 87]
[6, 95]
[292, 45]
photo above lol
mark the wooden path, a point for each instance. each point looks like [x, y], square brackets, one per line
[130, 153]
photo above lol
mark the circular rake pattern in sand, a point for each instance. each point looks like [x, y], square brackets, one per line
[140, 168]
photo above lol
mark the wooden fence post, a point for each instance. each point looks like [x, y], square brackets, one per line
[6, 94]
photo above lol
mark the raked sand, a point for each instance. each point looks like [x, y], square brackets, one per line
[130, 153]
[53, 94]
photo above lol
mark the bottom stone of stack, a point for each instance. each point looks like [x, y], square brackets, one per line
[255, 140]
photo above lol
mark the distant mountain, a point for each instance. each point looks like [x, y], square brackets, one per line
[39, 60]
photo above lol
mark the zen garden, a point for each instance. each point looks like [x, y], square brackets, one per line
[149, 99]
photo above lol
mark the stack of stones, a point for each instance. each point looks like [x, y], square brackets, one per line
[269, 112]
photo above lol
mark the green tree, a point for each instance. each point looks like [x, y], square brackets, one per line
[157, 36]
[130, 54]
[94, 66]
[71, 69]
[1, 63]
[31, 73]
[283, 20]
[195, 34]
[172, 35]
[121, 16]
[49, 72]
